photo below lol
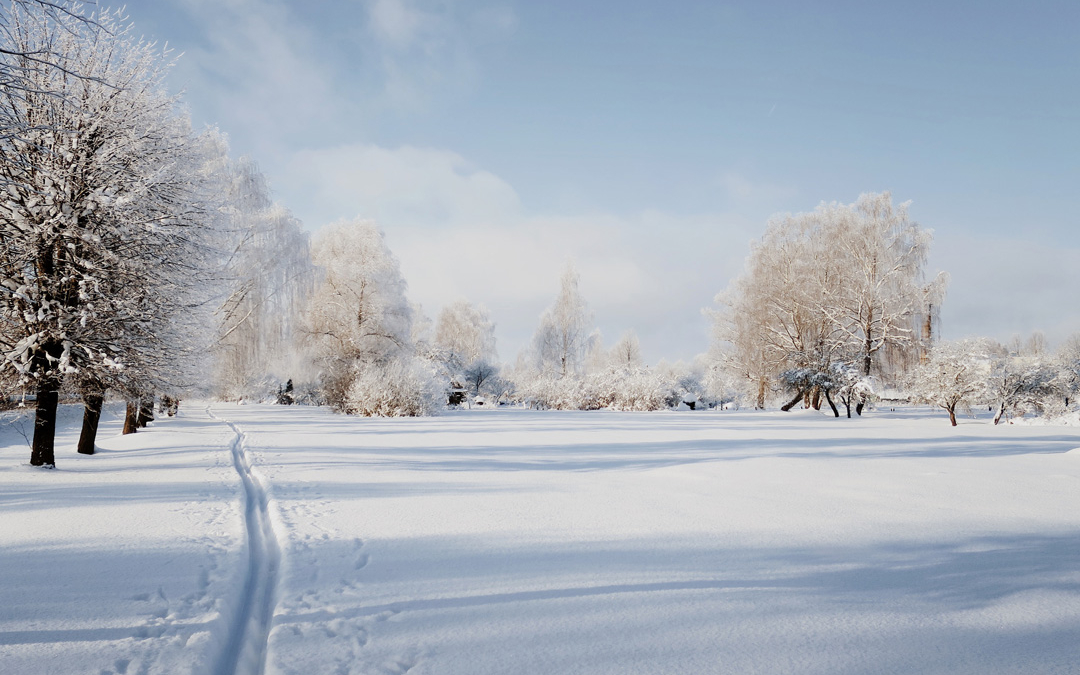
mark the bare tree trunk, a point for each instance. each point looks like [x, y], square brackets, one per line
[92, 403]
[131, 418]
[859, 408]
[1000, 413]
[791, 404]
[847, 404]
[760, 403]
[42, 450]
[836, 413]
[868, 357]
[816, 399]
[952, 414]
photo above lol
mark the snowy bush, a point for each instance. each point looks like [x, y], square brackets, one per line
[953, 377]
[628, 389]
[548, 392]
[1021, 384]
[398, 388]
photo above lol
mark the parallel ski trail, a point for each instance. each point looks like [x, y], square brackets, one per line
[246, 645]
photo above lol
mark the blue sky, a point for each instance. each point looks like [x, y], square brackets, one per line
[650, 141]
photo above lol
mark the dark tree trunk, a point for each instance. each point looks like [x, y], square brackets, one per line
[791, 404]
[847, 404]
[146, 411]
[868, 357]
[91, 417]
[952, 414]
[42, 450]
[816, 399]
[1000, 413]
[131, 418]
[835, 412]
[859, 408]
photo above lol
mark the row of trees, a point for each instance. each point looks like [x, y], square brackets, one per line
[133, 251]
[1023, 378]
[137, 257]
[376, 354]
[104, 212]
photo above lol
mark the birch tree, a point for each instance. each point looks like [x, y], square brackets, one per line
[560, 340]
[269, 278]
[359, 326]
[825, 290]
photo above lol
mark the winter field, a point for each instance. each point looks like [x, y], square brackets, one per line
[514, 541]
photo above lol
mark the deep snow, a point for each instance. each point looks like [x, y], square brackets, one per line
[510, 541]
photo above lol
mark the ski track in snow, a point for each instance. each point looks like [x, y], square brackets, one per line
[246, 646]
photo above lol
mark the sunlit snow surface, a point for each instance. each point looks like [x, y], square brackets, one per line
[512, 541]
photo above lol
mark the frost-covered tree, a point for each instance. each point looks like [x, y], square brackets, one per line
[359, 326]
[835, 287]
[105, 211]
[269, 278]
[774, 315]
[880, 297]
[1067, 359]
[482, 378]
[465, 341]
[626, 353]
[953, 376]
[560, 341]
[853, 388]
[1020, 383]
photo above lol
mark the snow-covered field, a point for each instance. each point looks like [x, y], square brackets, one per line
[511, 541]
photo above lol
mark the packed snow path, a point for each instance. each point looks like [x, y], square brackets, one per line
[245, 649]
[491, 542]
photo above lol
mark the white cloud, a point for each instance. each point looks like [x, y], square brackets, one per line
[407, 186]
[1003, 287]
[743, 191]
[397, 21]
[461, 232]
[257, 72]
[426, 47]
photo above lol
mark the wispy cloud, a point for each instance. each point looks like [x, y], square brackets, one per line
[461, 232]
[425, 47]
[743, 191]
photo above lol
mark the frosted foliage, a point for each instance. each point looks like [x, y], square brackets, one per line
[597, 357]
[627, 351]
[613, 388]
[359, 324]
[1025, 383]
[464, 335]
[560, 341]
[954, 376]
[1068, 362]
[630, 388]
[270, 278]
[398, 388]
[841, 285]
[106, 213]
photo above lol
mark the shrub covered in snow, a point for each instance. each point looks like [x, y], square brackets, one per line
[629, 389]
[547, 392]
[398, 388]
